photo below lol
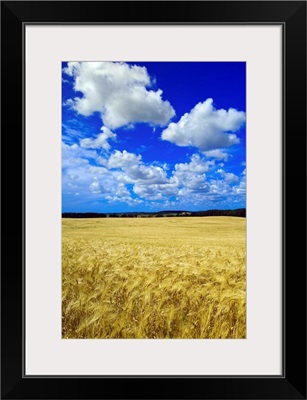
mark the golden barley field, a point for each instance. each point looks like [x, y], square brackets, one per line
[174, 277]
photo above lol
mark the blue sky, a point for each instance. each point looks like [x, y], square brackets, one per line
[153, 136]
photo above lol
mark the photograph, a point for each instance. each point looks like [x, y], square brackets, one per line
[153, 200]
[155, 150]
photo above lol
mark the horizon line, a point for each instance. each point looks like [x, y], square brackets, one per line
[151, 212]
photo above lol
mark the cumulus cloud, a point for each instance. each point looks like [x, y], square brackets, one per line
[217, 154]
[240, 189]
[150, 174]
[205, 127]
[73, 155]
[228, 176]
[97, 187]
[119, 92]
[123, 159]
[89, 180]
[149, 192]
[134, 169]
[109, 179]
[101, 142]
[123, 177]
[97, 170]
[192, 175]
[197, 165]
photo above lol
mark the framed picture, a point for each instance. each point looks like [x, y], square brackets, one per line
[126, 112]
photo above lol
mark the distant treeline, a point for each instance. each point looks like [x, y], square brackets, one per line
[239, 212]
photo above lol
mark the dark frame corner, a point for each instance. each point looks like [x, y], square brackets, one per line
[292, 14]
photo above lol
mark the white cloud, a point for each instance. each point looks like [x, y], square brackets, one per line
[97, 170]
[228, 176]
[123, 159]
[97, 187]
[217, 154]
[72, 177]
[119, 92]
[219, 189]
[192, 175]
[109, 180]
[100, 142]
[240, 189]
[150, 174]
[197, 165]
[149, 192]
[134, 170]
[73, 155]
[123, 177]
[155, 191]
[80, 175]
[205, 127]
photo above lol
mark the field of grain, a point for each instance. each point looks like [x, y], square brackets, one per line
[154, 277]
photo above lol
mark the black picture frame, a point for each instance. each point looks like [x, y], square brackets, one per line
[292, 16]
